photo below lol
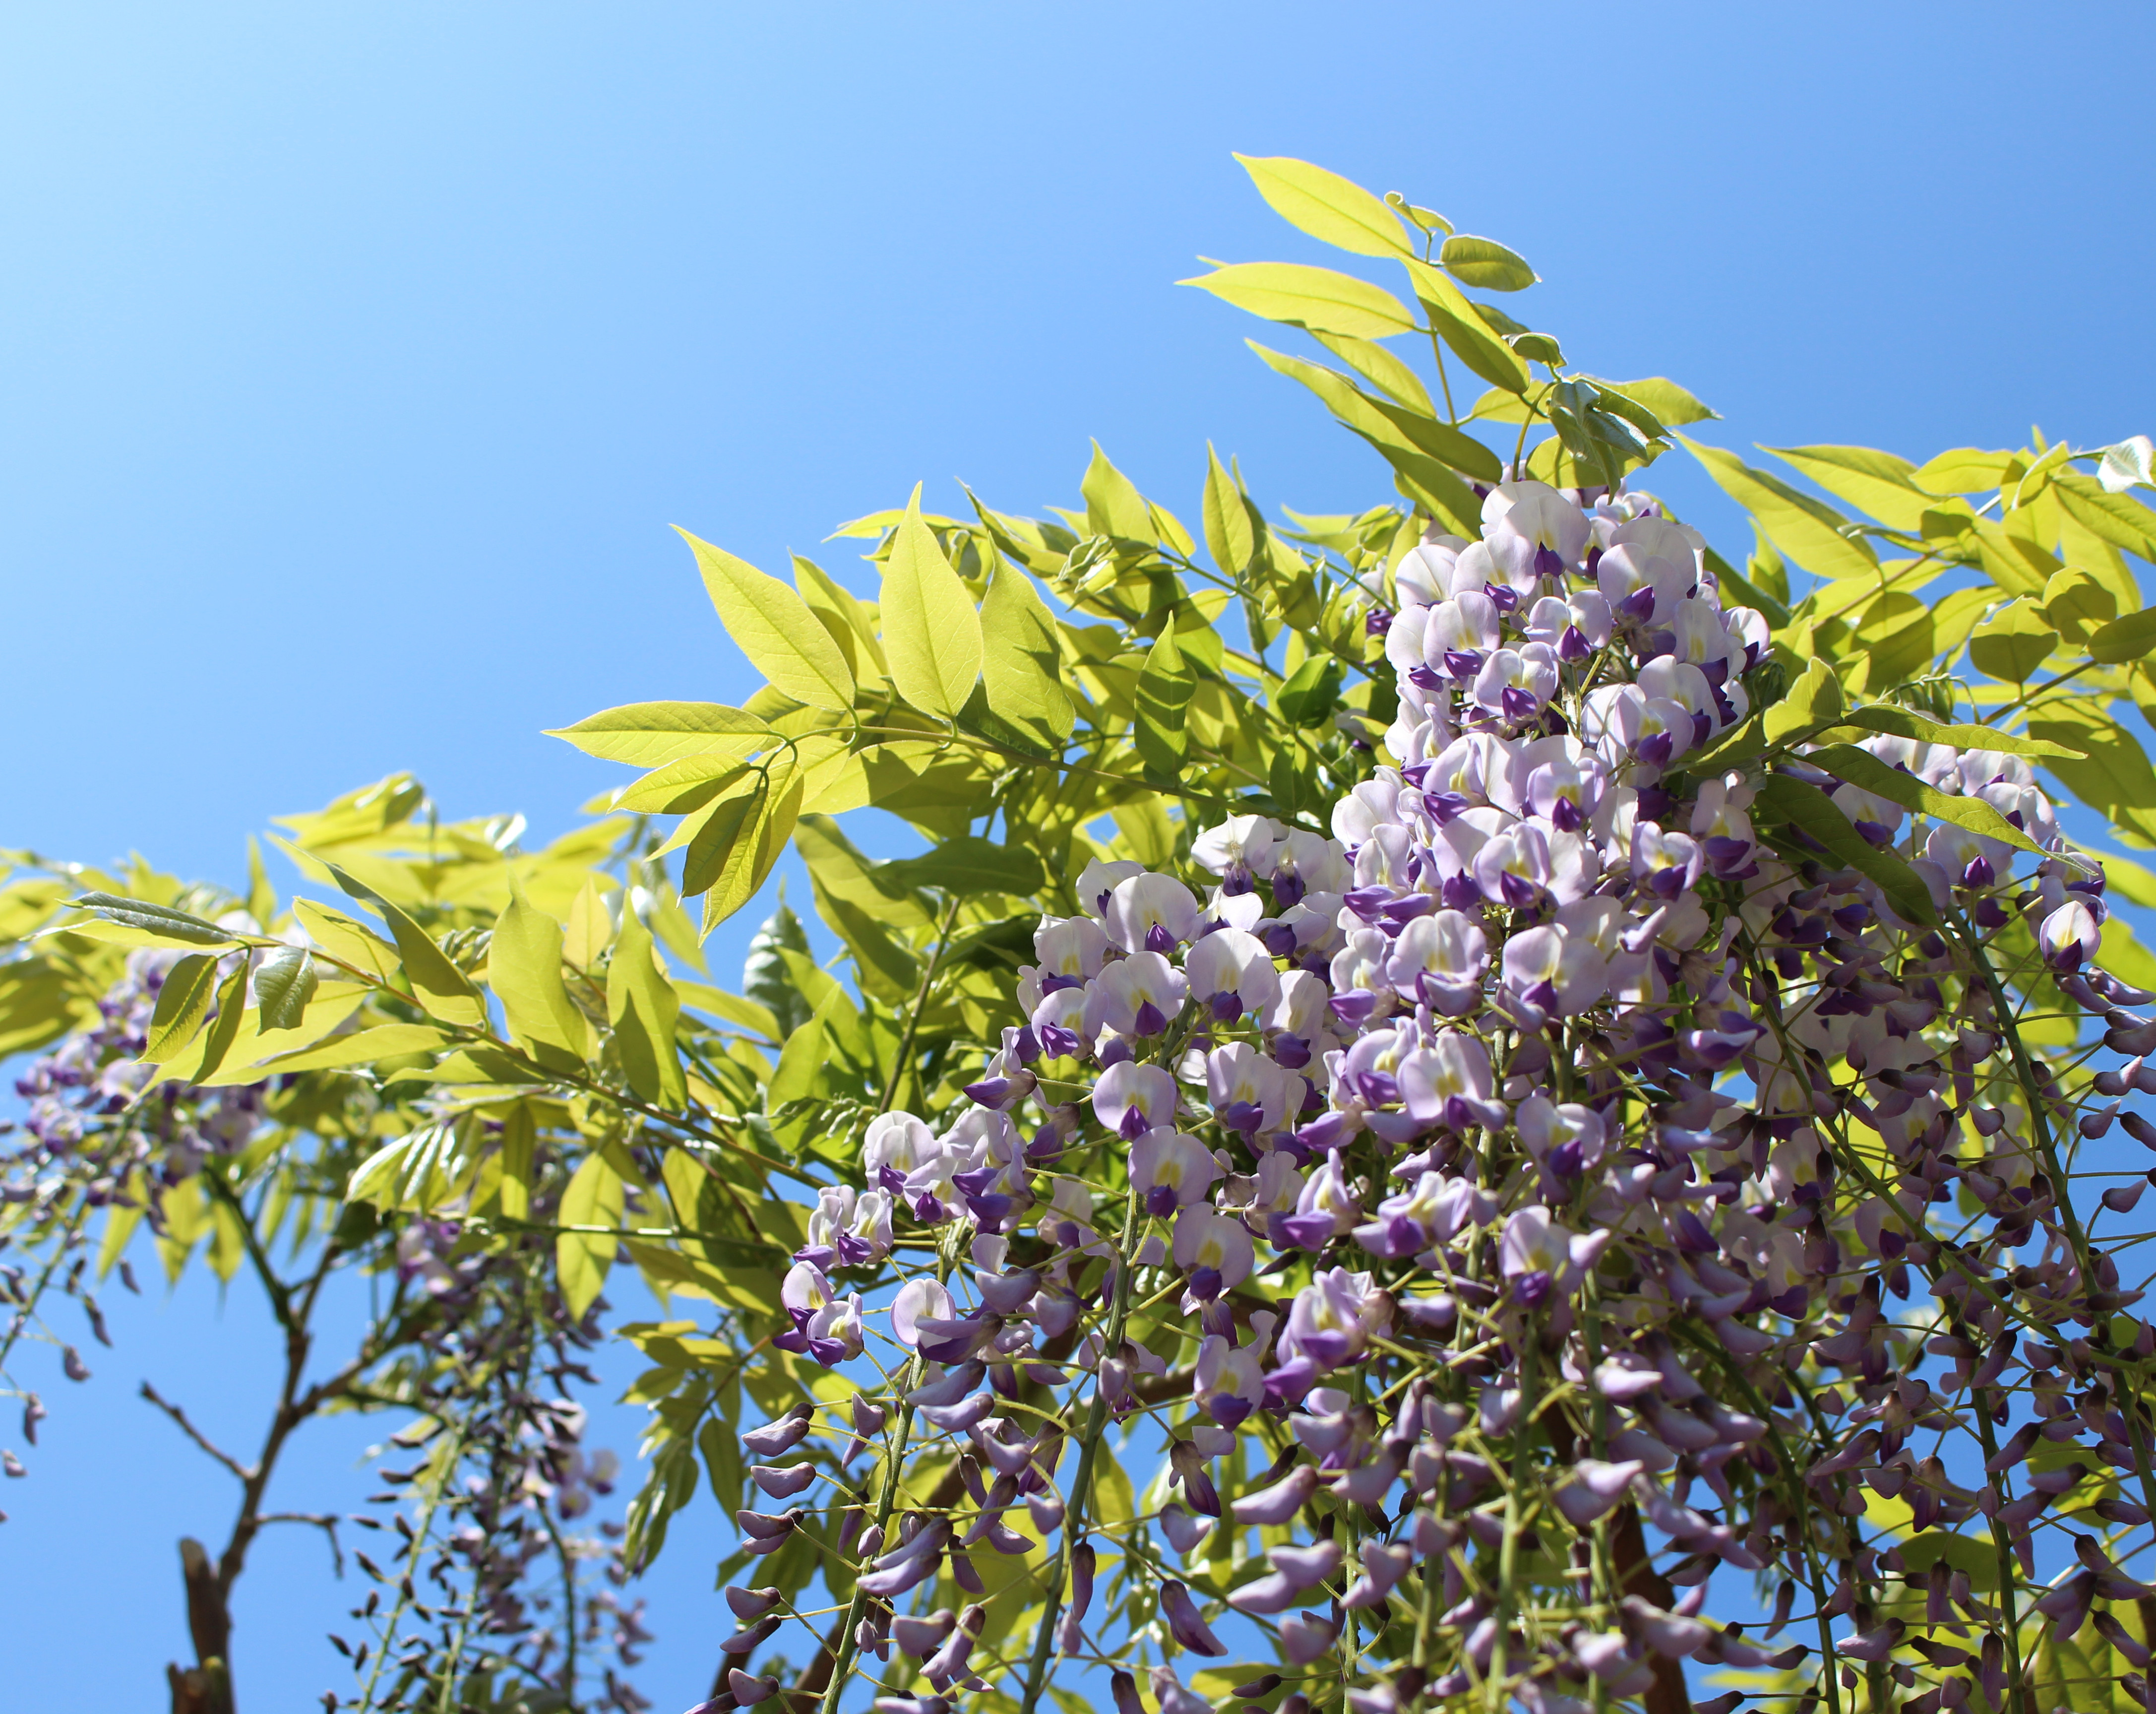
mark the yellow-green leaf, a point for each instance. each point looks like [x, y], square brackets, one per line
[851, 621]
[1486, 264]
[749, 861]
[682, 788]
[161, 922]
[1875, 482]
[2119, 952]
[1335, 210]
[1868, 772]
[593, 1197]
[1801, 527]
[1164, 689]
[1384, 371]
[590, 928]
[2121, 521]
[932, 634]
[361, 1048]
[520, 1138]
[1021, 666]
[1670, 403]
[441, 990]
[1113, 504]
[837, 868]
[774, 628]
[801, 1062]
[1406, 443]
[417, 1172]
[1148, 834]
[971, 865]
[1902, 723]
[1812, 701]
[285, 981]
[724, 828]
[2115, 774]
[2078, 605]
[1319, 299]
[1228, 537]
[182, 1004]
[2128, 637]
[223, 1029]
[643, 1008]
[649, 734]
[1465, 331]
[1963, 470]
[2013, 643]
[524, 969]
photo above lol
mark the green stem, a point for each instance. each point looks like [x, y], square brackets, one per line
[2017, 1700]
[890, 1085]
[1508, 1555]
[17, 1323]
[1073, 1517]
[895, 1444]
[456, 1451]
[444, 1702]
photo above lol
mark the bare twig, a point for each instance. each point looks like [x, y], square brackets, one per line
[195, 1434]
[324, 1521]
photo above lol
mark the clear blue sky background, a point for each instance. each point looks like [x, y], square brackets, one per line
[354, 361]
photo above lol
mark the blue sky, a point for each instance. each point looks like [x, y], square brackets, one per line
[354, 362]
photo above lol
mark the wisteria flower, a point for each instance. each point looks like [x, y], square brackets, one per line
[1138, 995]
[1150, 912]
[1171, 1169]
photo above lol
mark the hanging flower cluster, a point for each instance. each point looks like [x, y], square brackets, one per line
[86, 1136]
[475, 1343]
[1553, 1175]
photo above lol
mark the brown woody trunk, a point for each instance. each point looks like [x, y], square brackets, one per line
[205, 1687]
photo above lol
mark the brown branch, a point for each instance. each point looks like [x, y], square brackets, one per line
[324, 1521]
[196, 1434]
[206, 1688]
[1635, 1576]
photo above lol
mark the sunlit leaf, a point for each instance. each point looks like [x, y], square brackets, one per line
[1163, 693]
[1966, 469]
[183, 1003]
[441, 990]
[969, 865]
[643, 1007]
[2124, 522]
[1329, 208]
[774, 628]
[1230, 537]
[1807, 531]
[932, 633]
[1316, 298]
[1021, 666]
[524, 969]
[1877, 483]
[593, 1197]
[157, 920]
[2013, 643]
[1384, 371]
[285, 981]
[1486, 264]
[1867, 772]
[1465, 333]
[2129, 637]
